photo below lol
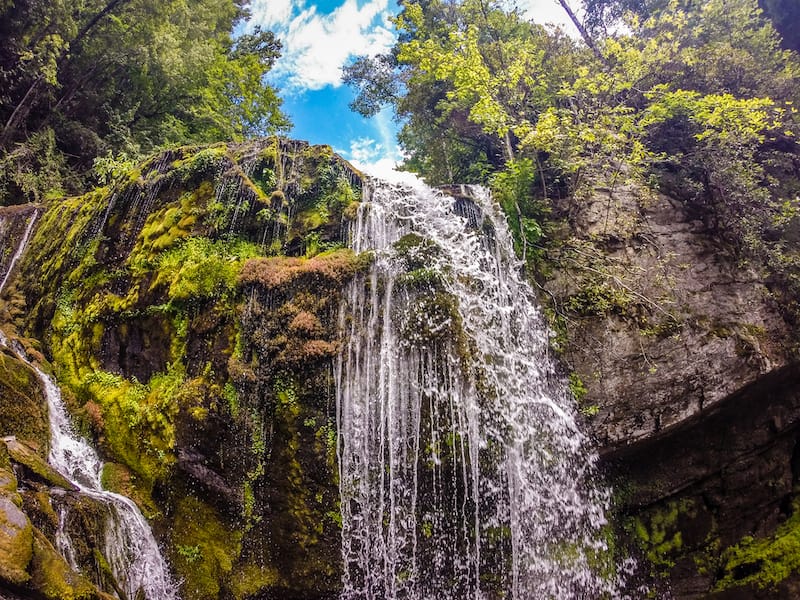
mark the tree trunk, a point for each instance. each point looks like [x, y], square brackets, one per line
[582, 30]
[31, 97]
[509, 147]
[21, 112]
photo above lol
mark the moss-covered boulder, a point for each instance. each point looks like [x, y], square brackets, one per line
[23, 408]
[16, 543]
[188, 311]
[53, 579]
[35, 465]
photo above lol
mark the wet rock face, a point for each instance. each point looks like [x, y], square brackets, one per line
[662, 322]
[688, 376]
[713, 482]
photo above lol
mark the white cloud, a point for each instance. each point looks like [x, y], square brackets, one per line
[364, 150]
[379, 160]
[550, 12]
[382, 153]
[272, 14]
[316, 46]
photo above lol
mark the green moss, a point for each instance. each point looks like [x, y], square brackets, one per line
[764, 562]
[106, 572]
[173, 297]
[36, 463]
[658, 532]
[138, 422]
[199, 162]
[599, 298]
[165, 228]
[16, 542]
[417, 252]
[250, 579]
[420, 278]
[199, 269]
[52, 577]
[61, 239]
[198, 525]
[432, 318]
[22, 407]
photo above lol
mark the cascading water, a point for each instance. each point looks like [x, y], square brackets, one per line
[463, 473]
[130, 548]
[20, 248]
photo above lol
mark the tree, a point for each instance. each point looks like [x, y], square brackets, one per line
[698, 96]
[126, 76]
[468, 78]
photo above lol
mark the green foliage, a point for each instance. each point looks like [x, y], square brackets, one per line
[515, 190]
[199, 268]
[34, 170]
[577, 387]
[697, 98]
[108, 78]
[763, 562]
[659, 534]
[189, 553]
[109, 168]
[212, 543]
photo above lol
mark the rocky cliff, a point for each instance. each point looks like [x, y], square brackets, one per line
[685, 364]
[188, 311]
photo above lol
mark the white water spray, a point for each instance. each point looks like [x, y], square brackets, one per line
[130, 548]
[463, 473]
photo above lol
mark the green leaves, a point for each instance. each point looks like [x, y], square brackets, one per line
[128, 76]
[719, 117]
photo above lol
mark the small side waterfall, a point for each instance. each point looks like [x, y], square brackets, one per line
[20, 248]
[130, 548]
[463, 472]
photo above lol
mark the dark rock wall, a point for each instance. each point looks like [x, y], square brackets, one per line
[686, 369]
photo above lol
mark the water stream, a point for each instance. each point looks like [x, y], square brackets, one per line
[463, 471]
[20, 248]
[130, 548]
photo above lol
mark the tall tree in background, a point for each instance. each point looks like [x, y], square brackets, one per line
[697, 96]
[82, 79]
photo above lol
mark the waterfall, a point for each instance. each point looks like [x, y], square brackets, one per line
[130, 548]
[20, 248]
[463, 471]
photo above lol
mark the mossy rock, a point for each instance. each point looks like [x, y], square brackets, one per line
[16, 543]
[416, 251]
[205, 549]
[8, 482]
[137, 293]
[763, 562]
[52, 578]
[23, 410]
[35, 464]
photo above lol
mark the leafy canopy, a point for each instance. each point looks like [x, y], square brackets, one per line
[80, 80]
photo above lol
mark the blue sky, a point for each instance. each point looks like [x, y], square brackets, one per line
[318, 39]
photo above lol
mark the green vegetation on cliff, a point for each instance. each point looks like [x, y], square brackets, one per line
[186, 310]
[697, 99]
